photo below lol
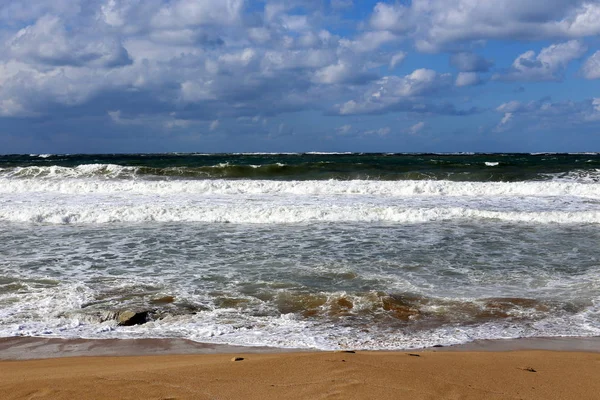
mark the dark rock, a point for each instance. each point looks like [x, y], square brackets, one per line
[237, 359]
[414, 355]
[129, 318]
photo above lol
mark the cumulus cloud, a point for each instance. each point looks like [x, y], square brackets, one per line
[342, 72]
[548, 65]
[435, 24]
[467, 79]
[469, 62]
[207, 55]
[550, 113]
[391, 17]
[369, 41]
[17, 11]
[193, 12]
[591, 67]
[393, 90]
[48, 42]
[182, 64]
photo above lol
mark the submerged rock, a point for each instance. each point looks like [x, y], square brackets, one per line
[163, 300]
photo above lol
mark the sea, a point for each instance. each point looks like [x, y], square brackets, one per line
[301, 250]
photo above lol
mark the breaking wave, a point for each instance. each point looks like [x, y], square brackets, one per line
[433, 169]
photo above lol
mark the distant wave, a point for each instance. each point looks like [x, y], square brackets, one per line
[433, 169]
[41, 155]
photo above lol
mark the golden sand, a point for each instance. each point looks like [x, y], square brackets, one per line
[302, 375]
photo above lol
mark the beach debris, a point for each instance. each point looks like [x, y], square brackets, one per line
[345, 351]
[129, 318]
[237, 359]
[529, 369]
[414, 355]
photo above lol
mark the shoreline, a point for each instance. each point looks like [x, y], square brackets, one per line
[34, 348]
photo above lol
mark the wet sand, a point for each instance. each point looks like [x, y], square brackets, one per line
[92, 373]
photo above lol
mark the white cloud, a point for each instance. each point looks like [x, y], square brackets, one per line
[502, 125]
[239, 59]
[467, 79]
[344, 129]
[469, 62]
[507, 117]
[214, 125]
[334, 73]
[377, 132]
[198, 12]
[548, 65]
[510, 107]
[19, 10]
[390, 91]
[11, 108]
[48, 42]
[435, 24]
[397, 59]
[393, 17]
[582, 21]
[420, 81]
[296, 23]
[416, 128]
[194, 91]
[548, 113]
[177, 123]
[591, 67]
[369, 41]
[343, 71]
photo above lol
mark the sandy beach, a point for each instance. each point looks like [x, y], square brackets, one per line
[428, 374]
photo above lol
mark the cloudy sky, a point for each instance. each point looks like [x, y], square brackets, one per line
[299, 75]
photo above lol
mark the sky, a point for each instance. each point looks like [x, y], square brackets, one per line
[115, 76]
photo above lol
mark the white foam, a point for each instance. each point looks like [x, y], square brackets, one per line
[44, 314]
[491, 164]
[65, 185]
[265, 213]
[98, 200]
[41, 155]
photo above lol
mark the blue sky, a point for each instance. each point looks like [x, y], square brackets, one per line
[304, 75]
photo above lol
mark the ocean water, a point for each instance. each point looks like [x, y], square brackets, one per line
[325, 251]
